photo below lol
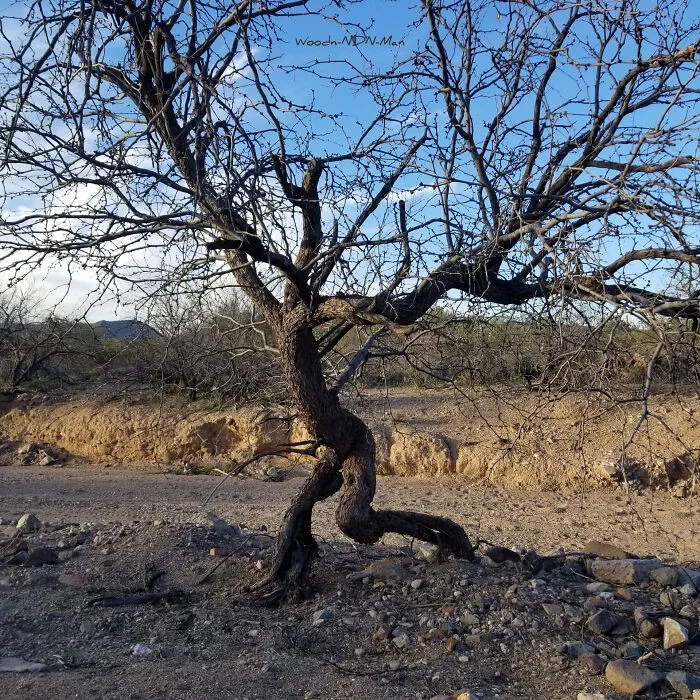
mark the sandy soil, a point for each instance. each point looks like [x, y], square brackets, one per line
[643, 522]
[515, 470]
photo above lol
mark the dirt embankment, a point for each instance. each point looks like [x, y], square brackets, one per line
[137, 432]
[522, 441]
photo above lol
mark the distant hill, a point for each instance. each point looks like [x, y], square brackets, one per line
[124, 330]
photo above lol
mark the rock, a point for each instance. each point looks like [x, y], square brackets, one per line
[591, 696]
[25, 449]
[688, 589]
[77, 540]
[141, 650]
[40, 556]
[623, 571]
[538, 585]
[417, 583]
[594, 603]
[553, 609]
[596, 587]
[387, 569]
[499, 555]
[646, 626]
[608, 469]
[394, 665]
[10, 547]
[689, 576]
[45, 459]
[632, 650]
[671, 599]
[18, 559]
[593, 663]
[665, 576]
[428, 552]
[576, 648]
[402, 641]
[624, 627]
[696, 695]
[685, 684]
[688, 611]
[602, 622]
[28, 523]
[320, 616]
[466, 695]
[574, 613]
[629, 677]
[13, 664]
[624, 593]
[469, 619]
[606, 550]
[675, 635]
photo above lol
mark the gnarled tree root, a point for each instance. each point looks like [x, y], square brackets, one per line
[357, 519]
[443, 532]
[296, 547]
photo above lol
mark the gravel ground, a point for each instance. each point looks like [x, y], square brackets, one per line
[384, 621]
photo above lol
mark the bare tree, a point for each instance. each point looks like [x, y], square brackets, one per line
[516, 153]
[38, 348]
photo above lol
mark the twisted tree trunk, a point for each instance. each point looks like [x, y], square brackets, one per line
[347, 463]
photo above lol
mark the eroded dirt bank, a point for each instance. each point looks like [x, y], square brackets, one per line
[512, 440]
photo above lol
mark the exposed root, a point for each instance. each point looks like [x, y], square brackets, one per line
[357, 519]
[443, 532]
[296, 547]
[288, 579]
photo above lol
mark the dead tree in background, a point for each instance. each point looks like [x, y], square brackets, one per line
[38, 348]
[512, 154]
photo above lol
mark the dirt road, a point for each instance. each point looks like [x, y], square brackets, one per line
[645, 523]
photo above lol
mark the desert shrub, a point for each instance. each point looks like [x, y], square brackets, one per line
[219, 349]
[42, 351]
